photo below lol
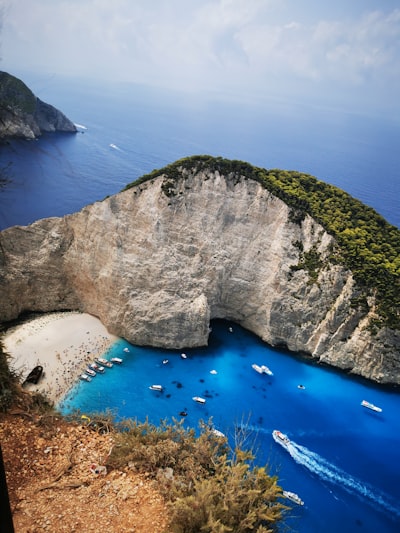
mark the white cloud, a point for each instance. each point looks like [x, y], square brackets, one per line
[240, 45]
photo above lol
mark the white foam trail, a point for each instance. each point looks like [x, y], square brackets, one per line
[80, 126]
[115, 147]
[331, 473]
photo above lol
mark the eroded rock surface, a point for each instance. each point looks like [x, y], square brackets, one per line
[156, 265]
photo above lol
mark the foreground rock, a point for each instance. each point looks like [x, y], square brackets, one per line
[23, 115]
[158, 261]
[52, 486]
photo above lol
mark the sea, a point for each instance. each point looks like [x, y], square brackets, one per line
[344, 461]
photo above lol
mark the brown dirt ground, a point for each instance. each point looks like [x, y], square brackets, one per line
[52, 488]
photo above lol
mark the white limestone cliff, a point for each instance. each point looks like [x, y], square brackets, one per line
[156, 268]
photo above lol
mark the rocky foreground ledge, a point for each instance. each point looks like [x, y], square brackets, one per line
[159, 260]
[23, 115]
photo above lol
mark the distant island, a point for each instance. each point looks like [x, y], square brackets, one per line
[24, 116]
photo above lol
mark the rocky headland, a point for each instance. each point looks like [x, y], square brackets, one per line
[199, 240]
[23, 115]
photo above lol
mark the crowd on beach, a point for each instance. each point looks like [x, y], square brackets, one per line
[62, 343]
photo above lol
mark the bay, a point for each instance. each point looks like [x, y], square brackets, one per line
[345, 461]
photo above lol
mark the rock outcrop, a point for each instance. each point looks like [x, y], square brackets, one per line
[23, 115]
[157, 266]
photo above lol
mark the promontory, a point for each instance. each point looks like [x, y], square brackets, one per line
[298, 262]
[23, 115]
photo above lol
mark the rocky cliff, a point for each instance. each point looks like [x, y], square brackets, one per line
[23, 115]
[156, 262]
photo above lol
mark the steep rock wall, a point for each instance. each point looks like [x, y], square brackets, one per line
[156, 265]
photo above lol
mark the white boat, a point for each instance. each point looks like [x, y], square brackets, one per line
[213, 372]
[97, 368]
[184, 356]
[263, 369]
[292, 496]
[91, 372]
[126, 349]
[85, 377]
[371, 406]
[156, 387]
[116, 360]
[199, 399]
[218, 433]
[281, 439]
[103, 362]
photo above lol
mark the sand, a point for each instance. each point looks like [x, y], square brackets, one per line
[62, 343]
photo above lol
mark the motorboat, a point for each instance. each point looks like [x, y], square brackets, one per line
[263, 369]
[85, 377]
[281, 439]
[103, 362]
[199, 399]
[158, 388]
[91, 372]
[97, 368]
[116, 360]
[183, 356]
[292, 496]
[34, 375]
[126, 349]
[213, 372]
[371, 406]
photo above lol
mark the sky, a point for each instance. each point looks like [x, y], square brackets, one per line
[341, 53]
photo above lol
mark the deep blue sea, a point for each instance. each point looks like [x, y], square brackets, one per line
[345, 461]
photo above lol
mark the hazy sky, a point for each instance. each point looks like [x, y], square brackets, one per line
[343, 52]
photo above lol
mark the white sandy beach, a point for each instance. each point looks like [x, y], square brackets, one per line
[62, 343]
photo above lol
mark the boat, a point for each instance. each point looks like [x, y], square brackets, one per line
[199, 399]
[302, 387]
[213, 372]
[165, 361]
[97, 368]
[184, 356]
[34, 375]
[292, 496]
[281, 439]
[156, 387]
[126, 349]
[116, 360]
[371, 406]
[85, 377]
[218, 433]
[91, 372]
[103, 362]
[263, 369]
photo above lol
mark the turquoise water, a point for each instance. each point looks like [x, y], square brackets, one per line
[345, 460]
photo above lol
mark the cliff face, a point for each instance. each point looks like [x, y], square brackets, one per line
[155, 267]
[23, 115]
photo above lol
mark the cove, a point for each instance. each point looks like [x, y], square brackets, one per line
[344, 463]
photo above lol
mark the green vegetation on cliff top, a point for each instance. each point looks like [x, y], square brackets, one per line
[15, 95]
[369, 245]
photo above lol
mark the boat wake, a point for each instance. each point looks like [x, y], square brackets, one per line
[115, 147]
[331, 473]
[80, 126]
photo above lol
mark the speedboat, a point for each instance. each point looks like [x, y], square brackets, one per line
[281, 439]
[292, 496]
[199, 399]
[263, 369]
[126, 349]
[103, 362]
[85, 377]
[116, 360]
[97, 368]
[371, 406]
[183, 356]
[158, 388]
[91, 372]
